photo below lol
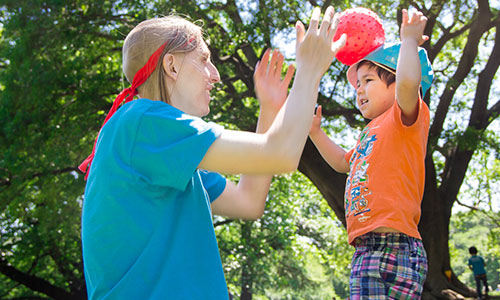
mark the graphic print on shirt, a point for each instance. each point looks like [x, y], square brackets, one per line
[356, 204]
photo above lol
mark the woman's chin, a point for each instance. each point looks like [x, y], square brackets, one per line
[203, 112]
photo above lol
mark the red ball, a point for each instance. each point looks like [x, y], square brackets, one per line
[364, 32]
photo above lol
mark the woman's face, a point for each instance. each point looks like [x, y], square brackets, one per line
[196, 75]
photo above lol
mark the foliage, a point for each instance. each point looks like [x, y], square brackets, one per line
[481, 188]
[55, 57]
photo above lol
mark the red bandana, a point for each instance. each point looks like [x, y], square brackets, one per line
[128, 95]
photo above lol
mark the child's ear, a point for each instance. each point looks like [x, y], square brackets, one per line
[169, 67]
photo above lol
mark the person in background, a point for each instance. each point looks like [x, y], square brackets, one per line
[476, 264]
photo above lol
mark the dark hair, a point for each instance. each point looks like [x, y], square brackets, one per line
[386, 76]
[473, 250]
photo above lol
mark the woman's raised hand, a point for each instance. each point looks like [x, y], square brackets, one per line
[270, 88]
[315, 48]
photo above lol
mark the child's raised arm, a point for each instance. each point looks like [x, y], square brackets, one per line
[331, 152]
[407, 80]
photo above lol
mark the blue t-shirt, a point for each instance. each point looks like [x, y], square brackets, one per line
[477, 263]
[147, 228]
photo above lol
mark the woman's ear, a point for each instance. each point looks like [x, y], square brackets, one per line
[169, 67]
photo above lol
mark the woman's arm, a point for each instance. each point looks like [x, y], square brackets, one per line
[247, 199]
[279, 149]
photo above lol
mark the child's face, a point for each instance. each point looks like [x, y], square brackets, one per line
[197, 75]
[374, 97]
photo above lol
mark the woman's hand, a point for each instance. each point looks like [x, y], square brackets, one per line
[271, 90]
[315, 49]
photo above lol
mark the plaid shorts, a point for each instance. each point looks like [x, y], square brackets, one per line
[387, 266]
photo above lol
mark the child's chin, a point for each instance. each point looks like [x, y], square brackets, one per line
[365, 115]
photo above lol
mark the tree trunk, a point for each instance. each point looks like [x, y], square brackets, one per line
[434, 228]
[330, 183]
[246, 276]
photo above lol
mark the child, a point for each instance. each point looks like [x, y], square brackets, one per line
[476, 264]
[147, 229]
[386, 168]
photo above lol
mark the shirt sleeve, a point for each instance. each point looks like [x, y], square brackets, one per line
[423, 117]
[214, 184]
[169, 146]
[348, 155]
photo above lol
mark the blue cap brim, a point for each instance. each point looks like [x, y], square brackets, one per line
[387, 55]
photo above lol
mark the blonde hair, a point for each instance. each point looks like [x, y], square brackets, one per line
[179, 34]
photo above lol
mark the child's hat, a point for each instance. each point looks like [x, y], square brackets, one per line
[386, 56]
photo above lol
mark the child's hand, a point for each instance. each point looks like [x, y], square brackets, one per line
[316, 122]
[413, 28]
[270, 89]
[315, 48]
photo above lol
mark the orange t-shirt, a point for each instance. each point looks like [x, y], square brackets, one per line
[387, 173]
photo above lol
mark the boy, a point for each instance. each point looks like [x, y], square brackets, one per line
[476, 264]
[386, 168]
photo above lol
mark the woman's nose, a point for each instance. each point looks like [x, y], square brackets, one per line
[214, 74]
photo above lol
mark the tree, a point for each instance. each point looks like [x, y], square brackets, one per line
[60, 70]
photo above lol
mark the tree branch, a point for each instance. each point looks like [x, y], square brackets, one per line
[465, 205]
[228, 221]
[6, 181]
[480, 25]
[494, 112]
[447, 36]
[64, 267]
[432, 17]
[313, 3]
[33, 282]
[479, 114]
[325, 5]
[457, 165]
[347, 113]
[232, 11]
